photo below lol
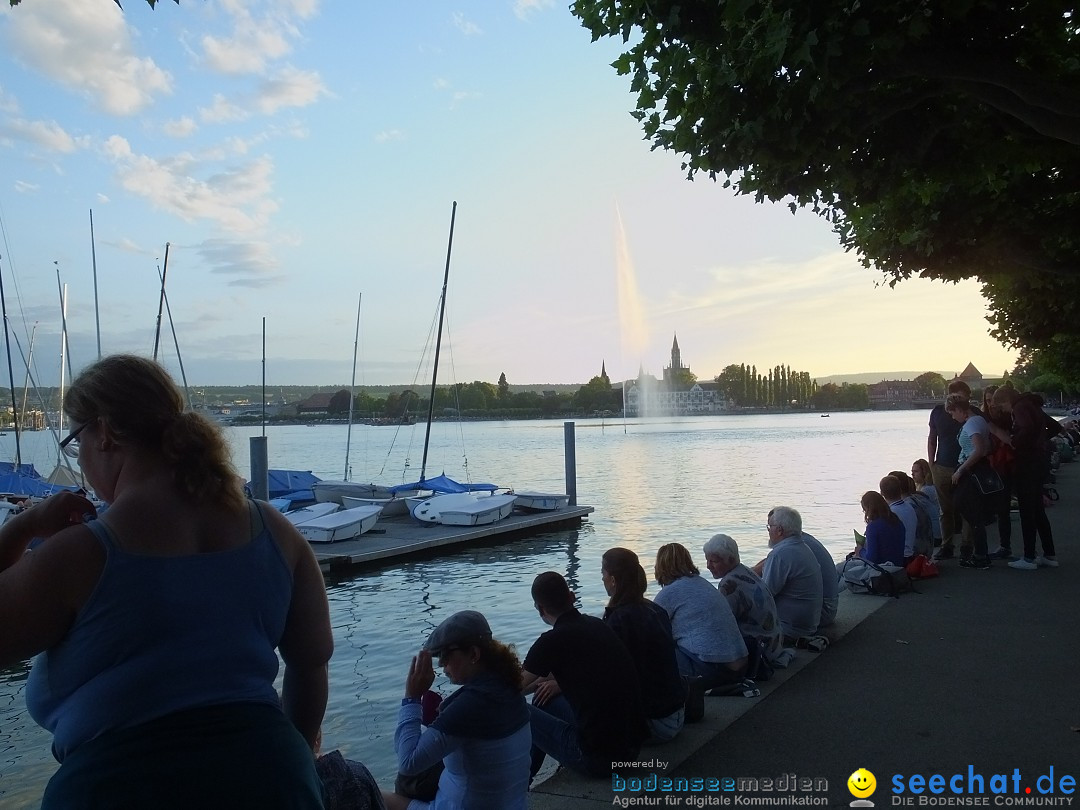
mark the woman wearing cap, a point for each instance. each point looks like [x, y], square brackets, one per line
[645, 629]
[159, 624]
[481, 733]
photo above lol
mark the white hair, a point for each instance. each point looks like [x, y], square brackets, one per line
[721, 545]
[787, 519]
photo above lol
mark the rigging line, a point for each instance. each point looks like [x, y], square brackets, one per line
[457, 400]
[14, 275]
[176, 342]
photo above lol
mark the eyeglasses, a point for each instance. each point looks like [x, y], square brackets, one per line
[70, 444]
[445, 654]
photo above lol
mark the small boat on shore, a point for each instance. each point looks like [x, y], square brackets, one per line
[346, 524]
[480, 512]
[540, 501]
[298, 517]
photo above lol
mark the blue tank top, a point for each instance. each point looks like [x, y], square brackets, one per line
[163, 634]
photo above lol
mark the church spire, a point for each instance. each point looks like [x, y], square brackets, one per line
[603, 370]
[676, 355]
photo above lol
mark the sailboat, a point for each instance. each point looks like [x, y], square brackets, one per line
[465, 508]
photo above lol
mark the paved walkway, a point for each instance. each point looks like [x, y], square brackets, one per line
[978, 671]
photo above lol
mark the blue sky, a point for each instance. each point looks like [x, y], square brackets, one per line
[296, 153]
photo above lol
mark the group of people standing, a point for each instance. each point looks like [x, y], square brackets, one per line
[1011, 437]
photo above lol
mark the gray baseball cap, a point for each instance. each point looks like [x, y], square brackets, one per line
[462, 628]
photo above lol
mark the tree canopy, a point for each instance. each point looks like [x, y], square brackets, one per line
[940, 140]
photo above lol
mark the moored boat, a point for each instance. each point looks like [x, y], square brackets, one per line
[540, 501]
[480, 512]
[342, 525]
[298, 517]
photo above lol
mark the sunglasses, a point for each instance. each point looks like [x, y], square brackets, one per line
[445, 654]
[70, 444]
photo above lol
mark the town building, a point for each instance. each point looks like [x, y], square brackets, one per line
[677, 394]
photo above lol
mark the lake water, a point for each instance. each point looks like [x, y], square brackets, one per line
[652, 482]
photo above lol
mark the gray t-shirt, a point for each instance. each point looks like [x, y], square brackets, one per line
[830, 589]
[793, 575]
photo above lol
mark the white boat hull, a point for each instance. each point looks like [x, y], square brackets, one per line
[540, 501]
[316, 510]
[481, 512]
[391, 507]
[335, 491]
[428, 509]
[339, 526]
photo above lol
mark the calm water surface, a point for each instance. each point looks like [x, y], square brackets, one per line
[651, 481]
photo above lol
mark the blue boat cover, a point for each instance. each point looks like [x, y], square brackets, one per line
[25, 480]
[441, 483]
[283, 482]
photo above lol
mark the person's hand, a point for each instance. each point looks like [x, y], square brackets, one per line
[56, 513]
[956, 478]
[758, 567]
[546, 689]
[421, 675]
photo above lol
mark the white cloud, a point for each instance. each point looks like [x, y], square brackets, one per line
[255, 42]
[102, 198]
[290, 88]
[236, 198]
[86, 47]
[180, 127]
[221, 110]
[525, 8]
[24, 188]
[46, 134]
[250, 263]
[467, 27]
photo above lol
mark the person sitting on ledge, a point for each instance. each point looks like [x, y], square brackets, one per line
[481, 732]
[645, 629]
[792, 573]
[586, 711]
[750, 600]
[708, 643]
[884, 539]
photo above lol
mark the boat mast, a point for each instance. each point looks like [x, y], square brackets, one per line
[352, 385]
[63, 357]
[11, 376]
[161, 302]
[438, 343]
[93, 259]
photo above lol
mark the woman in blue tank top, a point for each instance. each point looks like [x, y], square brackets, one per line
[158, 626]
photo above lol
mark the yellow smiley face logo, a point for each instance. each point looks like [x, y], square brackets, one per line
[862, 783]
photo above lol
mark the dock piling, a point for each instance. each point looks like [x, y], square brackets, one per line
[570, 455]
[260, 468]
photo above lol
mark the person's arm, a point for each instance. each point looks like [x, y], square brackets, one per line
[528, 682]
[417, 750]
[41, 591]
[307, 642]
[931, 441]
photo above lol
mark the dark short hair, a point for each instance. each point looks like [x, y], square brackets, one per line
[957, 402]
[550, 591]
[890, 488]
[960, 387]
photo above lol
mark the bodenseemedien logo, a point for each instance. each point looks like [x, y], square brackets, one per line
[862, 785]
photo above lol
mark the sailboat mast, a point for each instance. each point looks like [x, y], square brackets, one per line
[161, 302]
[438, 343]
[352, 386]
[11, 376]
[63, 357]
[93, 259]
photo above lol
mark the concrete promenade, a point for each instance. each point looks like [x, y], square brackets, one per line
[976, 674]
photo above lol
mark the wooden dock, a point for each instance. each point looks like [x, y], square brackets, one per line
[399, 537]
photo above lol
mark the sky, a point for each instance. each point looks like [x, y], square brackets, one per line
[300, 158]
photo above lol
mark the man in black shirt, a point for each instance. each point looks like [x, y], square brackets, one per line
[586, 711]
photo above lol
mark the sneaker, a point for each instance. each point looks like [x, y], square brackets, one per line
[1002, 554]
[1023, 564]
[1046, 562]
[944, 553]
[975, 562]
